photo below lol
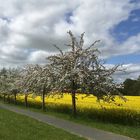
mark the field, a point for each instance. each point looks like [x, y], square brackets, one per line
[119, 112]
[83, 101]
[90, 102]
[17, 127]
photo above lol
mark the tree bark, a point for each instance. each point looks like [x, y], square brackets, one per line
[4, 99]
[8, 98]
[15, 98]
[26, 101]
[74, 112]
[43, 99]
[73, 104]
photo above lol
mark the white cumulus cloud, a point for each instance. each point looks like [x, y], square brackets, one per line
[29, 28]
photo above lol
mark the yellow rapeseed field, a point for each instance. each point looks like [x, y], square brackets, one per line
[132, 103]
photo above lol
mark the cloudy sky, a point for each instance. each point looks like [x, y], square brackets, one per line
[29, 28]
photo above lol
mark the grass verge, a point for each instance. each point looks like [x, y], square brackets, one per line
[18, 127]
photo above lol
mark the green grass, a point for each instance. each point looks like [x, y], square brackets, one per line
[18, 127]
[116, 127]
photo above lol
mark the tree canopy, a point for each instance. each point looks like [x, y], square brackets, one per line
[79, 68]
[131, 87]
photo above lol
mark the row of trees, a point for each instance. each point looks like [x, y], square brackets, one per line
[76, 70]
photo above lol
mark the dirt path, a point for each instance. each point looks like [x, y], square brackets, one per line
[78, 129]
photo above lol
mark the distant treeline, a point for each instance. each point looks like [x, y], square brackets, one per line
[131, 87]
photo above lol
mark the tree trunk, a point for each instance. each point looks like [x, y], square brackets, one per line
[73, 104]
[4, 99]
[43, 99]
[26, 101]
[8, 98]
[15, 98]
[73, 99]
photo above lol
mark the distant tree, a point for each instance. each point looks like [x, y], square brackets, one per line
[131, 87]
[8, 83]
[80, 68]
[4, 83]
[138, 78]
[128, 86]
[15, 82]
[137, 88]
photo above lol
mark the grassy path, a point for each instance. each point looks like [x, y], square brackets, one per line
[74, 128]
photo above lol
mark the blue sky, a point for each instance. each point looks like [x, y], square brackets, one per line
[68, 16]
[123, 31]
[124, 59]
[127, 28]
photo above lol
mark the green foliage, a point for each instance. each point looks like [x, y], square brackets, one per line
[131, 87]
